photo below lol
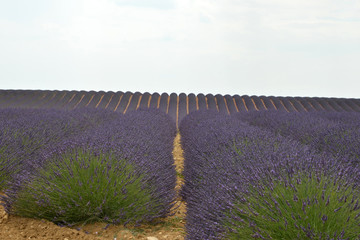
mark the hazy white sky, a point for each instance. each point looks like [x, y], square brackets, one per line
[245, 47]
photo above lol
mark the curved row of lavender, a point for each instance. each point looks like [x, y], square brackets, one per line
[243, 182]
[108, 167]
[336, 133]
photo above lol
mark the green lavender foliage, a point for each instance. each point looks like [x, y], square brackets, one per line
[307, 207]
[81, 186]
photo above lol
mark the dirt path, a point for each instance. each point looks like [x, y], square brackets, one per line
[171, 228]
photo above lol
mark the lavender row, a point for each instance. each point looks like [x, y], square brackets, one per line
[119, 170]
[242, 182]
[24, 132]
[336, 133]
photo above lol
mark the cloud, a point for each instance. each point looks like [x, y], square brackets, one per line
[226, 46]
[158, 4]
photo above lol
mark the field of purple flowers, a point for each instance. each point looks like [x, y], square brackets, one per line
[249, 175]
[268, 175]
[86, 165]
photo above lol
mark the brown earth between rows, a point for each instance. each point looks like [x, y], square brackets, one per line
[171, 228]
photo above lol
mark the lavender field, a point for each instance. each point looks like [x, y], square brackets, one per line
[271, 175]
[252, 174]
[177, 106]
[82, 166]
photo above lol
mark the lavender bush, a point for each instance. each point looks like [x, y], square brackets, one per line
[336, 133]
[242, 182]
[7, 160]
[306, 208]
[82, 186]
[120, 171]
[308, 196]
[303, 127]
[25, 132]
[22, 133]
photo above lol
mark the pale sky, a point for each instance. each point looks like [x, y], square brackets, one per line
[245, 47]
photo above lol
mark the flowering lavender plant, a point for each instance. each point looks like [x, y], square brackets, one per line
[336, 133]
[119, 171]
[24, 133]
[7, 162]
[305, 205]
[81, 186]
[243, 182]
